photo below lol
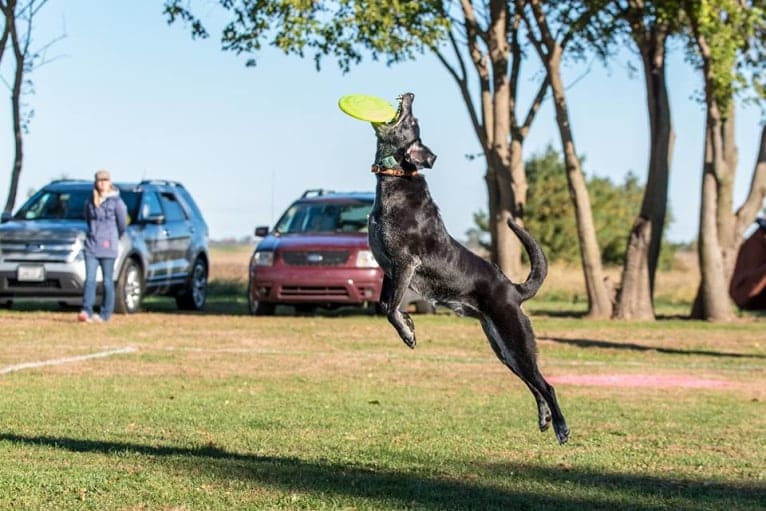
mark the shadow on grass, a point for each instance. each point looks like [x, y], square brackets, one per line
[525, 487]
[592, 343]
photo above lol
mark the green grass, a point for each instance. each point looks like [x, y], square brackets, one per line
[227, 411]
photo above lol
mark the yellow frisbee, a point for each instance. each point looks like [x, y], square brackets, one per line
[367, 108]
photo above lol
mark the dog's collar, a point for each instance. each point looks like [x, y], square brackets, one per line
[397, 172]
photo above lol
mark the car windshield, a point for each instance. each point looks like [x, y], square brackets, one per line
[66, 205]
[325, 217]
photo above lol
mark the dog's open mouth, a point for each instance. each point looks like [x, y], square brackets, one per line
[400, 107]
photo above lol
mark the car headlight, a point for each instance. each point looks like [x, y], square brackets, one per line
[264, 258]
[365, 259]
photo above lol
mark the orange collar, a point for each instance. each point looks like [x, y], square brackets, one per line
[377, 169]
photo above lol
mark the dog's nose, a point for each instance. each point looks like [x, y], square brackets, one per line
[430, 160]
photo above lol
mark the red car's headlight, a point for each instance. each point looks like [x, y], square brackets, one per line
[365, 259]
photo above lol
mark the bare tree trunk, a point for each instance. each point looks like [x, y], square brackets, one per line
[599, 299]
[637, 304]
[496, 57]
[712, 301]
[754, 201]
[550, 51]
[18, 77]
[636, 297]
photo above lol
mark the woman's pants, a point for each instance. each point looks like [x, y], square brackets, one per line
[89, 294]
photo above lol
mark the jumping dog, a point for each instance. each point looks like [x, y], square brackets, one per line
[414, 249]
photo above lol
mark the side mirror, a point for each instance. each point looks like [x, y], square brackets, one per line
[6, 216]
[155, 219]
[261, 232]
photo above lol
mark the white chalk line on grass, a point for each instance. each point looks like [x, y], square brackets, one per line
[66, 360]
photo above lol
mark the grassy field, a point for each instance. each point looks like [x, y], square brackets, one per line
[222, 410]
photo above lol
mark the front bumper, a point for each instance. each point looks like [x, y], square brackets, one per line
[61, 281]
[335, 285]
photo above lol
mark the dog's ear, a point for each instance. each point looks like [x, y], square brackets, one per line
[419, 156]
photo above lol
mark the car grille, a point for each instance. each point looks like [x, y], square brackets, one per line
[48, 283]
[33, 250]
[305, 291]
[315, 257]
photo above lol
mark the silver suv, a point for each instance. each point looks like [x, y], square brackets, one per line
[164, 251]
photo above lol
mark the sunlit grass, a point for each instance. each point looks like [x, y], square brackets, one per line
[222, 410]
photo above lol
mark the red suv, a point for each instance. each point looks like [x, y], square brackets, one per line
[317, 254]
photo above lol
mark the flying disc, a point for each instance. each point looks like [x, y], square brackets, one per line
[367, 108]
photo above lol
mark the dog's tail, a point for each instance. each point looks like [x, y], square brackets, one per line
[537, 262]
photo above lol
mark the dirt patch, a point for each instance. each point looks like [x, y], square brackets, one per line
[642, 380]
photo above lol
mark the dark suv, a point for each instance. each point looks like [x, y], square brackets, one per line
[164, 251]
[318, 255]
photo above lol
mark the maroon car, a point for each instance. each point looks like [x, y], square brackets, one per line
[318, 255]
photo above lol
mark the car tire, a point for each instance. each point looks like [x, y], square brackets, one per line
[305, 309]
[194, 296]
[259, 308]
[424, 307]
[130, 288]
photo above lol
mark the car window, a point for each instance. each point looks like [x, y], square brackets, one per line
[55, 205]
[325, 217]
[187, 199]
[130, 198]
[150, 205]
[174, 212]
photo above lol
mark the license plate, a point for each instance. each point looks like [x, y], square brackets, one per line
[30, 273]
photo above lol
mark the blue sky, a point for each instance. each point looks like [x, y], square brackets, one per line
[129, 93]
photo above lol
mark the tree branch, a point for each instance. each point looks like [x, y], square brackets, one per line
[754, 201]
[534, 107]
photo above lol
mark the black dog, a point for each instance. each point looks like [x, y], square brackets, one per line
[411, 244]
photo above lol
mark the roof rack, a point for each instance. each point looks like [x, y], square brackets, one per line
[314, 192]
[69, 180]
[165, 182]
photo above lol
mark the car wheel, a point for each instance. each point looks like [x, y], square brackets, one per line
[305, 309]
[424, 307]
[259, 308]
[130, 288]
[195, 294]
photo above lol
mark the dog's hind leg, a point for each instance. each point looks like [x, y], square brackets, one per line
[515, 348]
[391, 297]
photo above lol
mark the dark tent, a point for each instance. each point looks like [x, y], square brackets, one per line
[748, 283]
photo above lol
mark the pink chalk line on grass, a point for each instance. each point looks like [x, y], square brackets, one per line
[641, 380]
[66, 360]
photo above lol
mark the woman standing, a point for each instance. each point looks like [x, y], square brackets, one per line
[106, 216]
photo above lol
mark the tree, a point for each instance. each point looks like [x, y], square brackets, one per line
[480, 43]
[648, 24]
[727, 43]
[19, 21]
[571, 18]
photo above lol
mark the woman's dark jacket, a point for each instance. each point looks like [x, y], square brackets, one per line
[106, 223]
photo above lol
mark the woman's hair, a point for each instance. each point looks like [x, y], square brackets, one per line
[101, 175]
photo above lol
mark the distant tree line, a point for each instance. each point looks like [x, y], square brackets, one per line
[550, 218]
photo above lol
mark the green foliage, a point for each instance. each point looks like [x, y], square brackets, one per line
[730, 36]
[549, 213]
[342, 30]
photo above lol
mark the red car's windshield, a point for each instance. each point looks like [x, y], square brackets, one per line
[325, 217]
